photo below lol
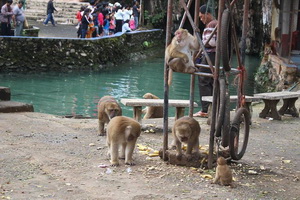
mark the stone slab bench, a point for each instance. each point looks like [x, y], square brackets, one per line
[271, 100]
[12, 106]
[137, 105]
[233, 98]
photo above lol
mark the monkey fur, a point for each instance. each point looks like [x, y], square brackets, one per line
[179, 53]
[223, 173]
[152, 111]
[108, 108]
[122, 132]
[186, 130]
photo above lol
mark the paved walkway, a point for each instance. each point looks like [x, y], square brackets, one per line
[60, 30]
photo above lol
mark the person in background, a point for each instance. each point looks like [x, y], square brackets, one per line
[19, 18]
[6, 16]
[96, 22]
[100, 22]
[206, 83]
[119, 18]
[112, 25]
[136, 13]
[127, 12]
[79, 16]
[106, 25]
[50, 11]
[85, 21]
[132, 23]
[125, 27]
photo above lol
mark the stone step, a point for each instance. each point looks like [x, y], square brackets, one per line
[12, 106]
[4, 93]
[36, 10]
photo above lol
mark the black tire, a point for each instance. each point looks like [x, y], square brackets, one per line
[226, 122]
[226, 40]
[221, 107]
[241, 118]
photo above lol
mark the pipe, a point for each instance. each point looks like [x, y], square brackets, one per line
[166, 78]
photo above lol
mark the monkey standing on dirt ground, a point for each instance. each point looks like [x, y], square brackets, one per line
[179, 53]
[186, 130]
[108, 108]
[152, 111]
[122, 132]
[223, 173]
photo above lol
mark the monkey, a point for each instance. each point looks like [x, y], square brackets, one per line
[108, 108]
[223, 173]
[122, 132]
[186, 130]
[152, 111]
[179, 53]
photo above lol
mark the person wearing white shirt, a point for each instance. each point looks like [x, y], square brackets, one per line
[127, 12]
[125, 27]
[119, 19]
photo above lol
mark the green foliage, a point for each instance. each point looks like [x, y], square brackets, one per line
[263, 83]
[156, 20]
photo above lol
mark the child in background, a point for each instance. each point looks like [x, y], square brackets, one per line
[112, 25]
[106, 25]
[132, 23]
[125, 27]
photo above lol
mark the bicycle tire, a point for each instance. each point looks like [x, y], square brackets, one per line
[226, 40]
[242, 115]
[221, 107]
[226, 122]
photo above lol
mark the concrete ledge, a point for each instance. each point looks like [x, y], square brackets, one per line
[12, 106]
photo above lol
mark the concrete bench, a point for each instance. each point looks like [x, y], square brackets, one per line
[137, 105]
[233, 98]
[271, 100]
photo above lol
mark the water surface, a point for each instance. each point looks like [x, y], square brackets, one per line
[77, 93]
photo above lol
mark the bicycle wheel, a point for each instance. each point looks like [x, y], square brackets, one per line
[239, 133]
[226, 40]
[226, 122]
[221, 107]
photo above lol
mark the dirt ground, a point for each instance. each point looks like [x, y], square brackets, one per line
[50, 157]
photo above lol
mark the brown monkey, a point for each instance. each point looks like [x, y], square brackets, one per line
[152, 111]
[108, 108]
[122, 132]
[186, 130]
[223, 172]
[179, 53]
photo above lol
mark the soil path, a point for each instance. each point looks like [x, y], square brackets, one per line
[50, 157]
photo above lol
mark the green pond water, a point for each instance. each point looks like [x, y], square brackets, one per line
[77, 93]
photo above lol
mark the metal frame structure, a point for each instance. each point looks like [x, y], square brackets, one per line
[215, 70]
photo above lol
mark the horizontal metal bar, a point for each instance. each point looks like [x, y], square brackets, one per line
[204, 74]
[232, 71]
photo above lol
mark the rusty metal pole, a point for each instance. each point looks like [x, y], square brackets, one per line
[245, 29]
[192, 82]
[166, 78]
[216, 88]
[184, 15]
[240, 91]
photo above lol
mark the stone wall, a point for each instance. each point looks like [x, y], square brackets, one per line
[275, 74]
[62, 54]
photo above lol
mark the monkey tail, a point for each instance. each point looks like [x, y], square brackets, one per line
[170, 76]
[128, 134]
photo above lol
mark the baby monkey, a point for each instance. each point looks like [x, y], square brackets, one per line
[223, 173]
